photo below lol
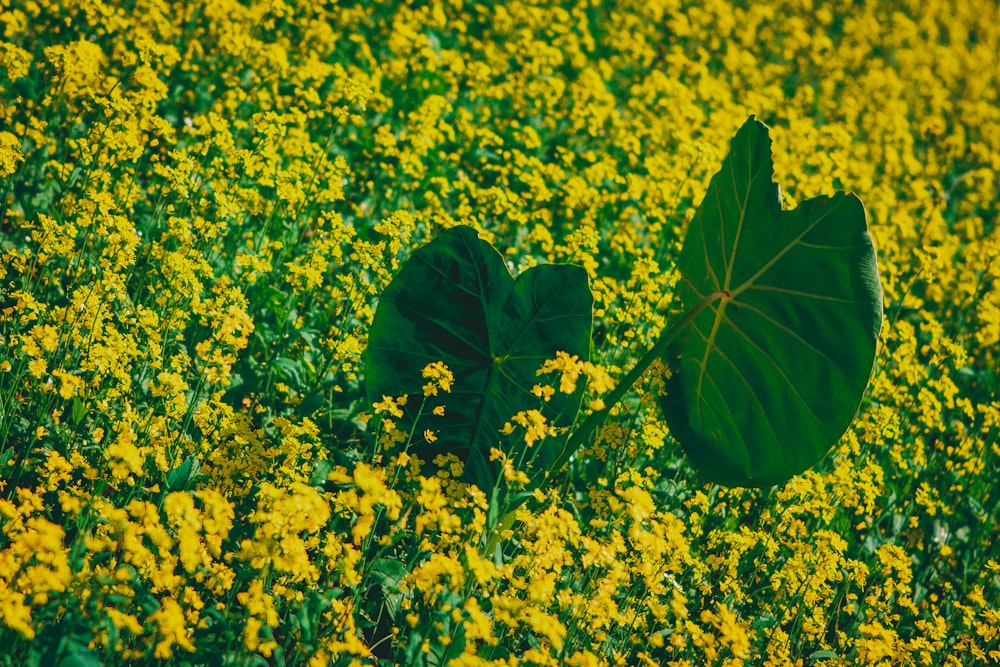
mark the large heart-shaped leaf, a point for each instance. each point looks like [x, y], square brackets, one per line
[770, 376]
[455, 301]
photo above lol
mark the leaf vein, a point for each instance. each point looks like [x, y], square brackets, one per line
[790, 332]
[753, 392]
[781, 253]
[809, 295]
[777, 367]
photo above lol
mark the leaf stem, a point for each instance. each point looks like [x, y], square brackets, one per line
[505, 524]
[596, 419]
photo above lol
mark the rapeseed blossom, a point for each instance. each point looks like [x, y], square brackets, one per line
[200, 206]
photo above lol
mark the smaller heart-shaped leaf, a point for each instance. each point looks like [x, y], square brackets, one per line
[454, 301]
[770, 376]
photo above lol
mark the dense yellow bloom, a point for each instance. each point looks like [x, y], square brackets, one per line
[260, 611]
[10, 153]
[202, 205]
[287, 523]
[16, 614]
[172, 629]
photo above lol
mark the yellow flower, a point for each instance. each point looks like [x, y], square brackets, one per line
[171, 629]
[78, 63]
[535, 426]
[434, 576]
[13, 58]
[10, 153]
[69, 385]
[261, 613]
[570, 368]
[547, 626]
[876, 642]
[389, 405]
[125, 459]
[544, 392]
[441, 378]
[37, 368]
[15, 612]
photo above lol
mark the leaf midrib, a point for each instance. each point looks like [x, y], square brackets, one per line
[784, 251]
[719, 311]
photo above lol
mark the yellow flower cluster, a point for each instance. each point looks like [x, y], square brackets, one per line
[200, 205]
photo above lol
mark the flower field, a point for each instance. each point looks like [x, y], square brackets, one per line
[201, 204]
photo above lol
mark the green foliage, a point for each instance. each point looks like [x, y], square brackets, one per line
[770, 376]
[455, 301]
[200, 206]
[780, 315]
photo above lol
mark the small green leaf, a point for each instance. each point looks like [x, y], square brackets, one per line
[78, 411]
[183, 476]
[388, 571]
[321, 470]
[455, 301]
[770, 376]
[291, 370]
[80, 656]
[824, 654]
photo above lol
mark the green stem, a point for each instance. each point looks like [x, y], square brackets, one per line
[505, 524]
[596, 419]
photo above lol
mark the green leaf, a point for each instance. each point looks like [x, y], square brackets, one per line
[824, 654]
[184, 476]
[78, 411]
[291, 370]
[65, 644]
[80, 656]
[455, 301]
[767, 378]
[321, 470]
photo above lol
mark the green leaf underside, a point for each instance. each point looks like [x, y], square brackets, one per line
[455, 301]
[767, 379]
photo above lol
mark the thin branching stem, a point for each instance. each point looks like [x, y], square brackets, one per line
[596, 419]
